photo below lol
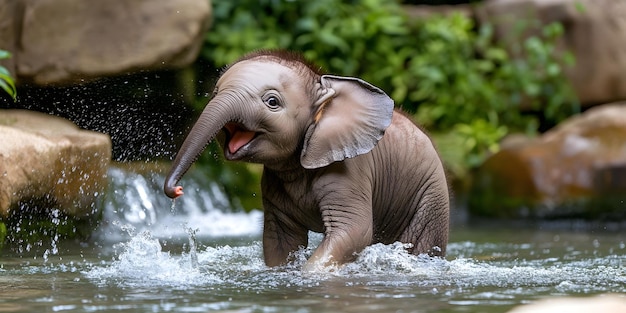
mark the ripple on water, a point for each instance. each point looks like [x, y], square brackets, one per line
[142, 262]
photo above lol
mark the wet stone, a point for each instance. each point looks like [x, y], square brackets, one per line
[575, 170]
[48, 164]
[67, 41]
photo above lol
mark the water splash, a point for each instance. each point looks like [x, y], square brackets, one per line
[193, 254]
[143, 263]
[54, 240]
[473, 273]
[137, 199]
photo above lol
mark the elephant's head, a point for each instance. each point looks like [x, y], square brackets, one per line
[274, 108]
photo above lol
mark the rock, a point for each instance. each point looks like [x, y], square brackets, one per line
[575, 170]
[48, 159]
[66, 41]
[601, 303]
[595, 32]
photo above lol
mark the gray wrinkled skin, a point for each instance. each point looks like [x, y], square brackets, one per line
[337, 160]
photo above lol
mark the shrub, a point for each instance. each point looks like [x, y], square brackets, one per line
[472, 92]
[347, 39]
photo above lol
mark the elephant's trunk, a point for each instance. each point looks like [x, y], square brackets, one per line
[212, 119]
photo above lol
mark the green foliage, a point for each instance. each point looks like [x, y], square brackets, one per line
[472, 91]
[463, 86]
[340, 36]
[6, 81]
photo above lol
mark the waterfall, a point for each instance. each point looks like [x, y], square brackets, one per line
[135, 199]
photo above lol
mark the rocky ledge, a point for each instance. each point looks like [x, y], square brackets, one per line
[68, 41]
[576, 170]
[49, 164]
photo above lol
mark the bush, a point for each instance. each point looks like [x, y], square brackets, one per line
[466, 89]
[348, 39]
[471, 92]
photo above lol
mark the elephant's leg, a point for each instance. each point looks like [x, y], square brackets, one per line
[336, 249]
[344, 198]
[428, 228]
[348, 228]
[281, 237]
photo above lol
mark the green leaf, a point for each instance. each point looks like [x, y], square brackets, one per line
[6, 81]
[7, 84]
[553, 69]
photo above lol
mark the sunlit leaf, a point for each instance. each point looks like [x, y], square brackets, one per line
[6, 83]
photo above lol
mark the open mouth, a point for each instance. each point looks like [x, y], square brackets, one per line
[237, 137]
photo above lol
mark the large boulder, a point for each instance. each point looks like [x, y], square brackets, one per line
[576, 170]
[66, 41]
[595, 32]
[48, 160]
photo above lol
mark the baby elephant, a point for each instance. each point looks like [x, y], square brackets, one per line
[337, 160]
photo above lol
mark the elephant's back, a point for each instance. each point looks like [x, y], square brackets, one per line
[405, 147]
[407, 168]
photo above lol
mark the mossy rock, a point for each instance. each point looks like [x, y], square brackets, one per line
[3, 234]
[575, 170]
[31, 222]
[605, 209]
[493, 197]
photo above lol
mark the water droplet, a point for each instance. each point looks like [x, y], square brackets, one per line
[193, 256]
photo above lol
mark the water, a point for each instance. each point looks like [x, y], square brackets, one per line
[197, 256]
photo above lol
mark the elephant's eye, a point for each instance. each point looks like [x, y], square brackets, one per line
[272, 102]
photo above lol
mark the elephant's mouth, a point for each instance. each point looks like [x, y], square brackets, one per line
[237, 137]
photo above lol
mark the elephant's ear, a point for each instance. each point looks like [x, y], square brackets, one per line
[351, 117]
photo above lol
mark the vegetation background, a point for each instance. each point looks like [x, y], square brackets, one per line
[467, 89]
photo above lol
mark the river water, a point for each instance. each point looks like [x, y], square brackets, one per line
[196, 255]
